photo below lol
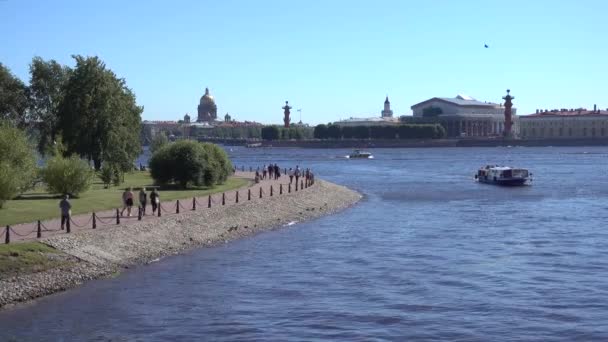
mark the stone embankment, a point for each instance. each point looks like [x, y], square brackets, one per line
[99, 253]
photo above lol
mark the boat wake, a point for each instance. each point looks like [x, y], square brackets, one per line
[290, 223]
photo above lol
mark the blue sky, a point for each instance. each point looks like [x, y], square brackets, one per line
[333, 59]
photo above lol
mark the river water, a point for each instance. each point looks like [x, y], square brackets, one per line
[427, 255]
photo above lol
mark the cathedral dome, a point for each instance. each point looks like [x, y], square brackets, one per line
[207, 99]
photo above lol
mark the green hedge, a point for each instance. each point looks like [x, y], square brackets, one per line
[409, 131]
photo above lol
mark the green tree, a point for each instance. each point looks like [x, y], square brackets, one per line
[67, 175]
[13, 99]
[271, 133]
[17, 163]
[361, 132]
[320, 131]
[158, 141]
[47, 82]
[334, 132]
[98, 116]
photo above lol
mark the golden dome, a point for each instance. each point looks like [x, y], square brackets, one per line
[207, 98]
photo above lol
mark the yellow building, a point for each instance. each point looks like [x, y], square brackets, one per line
[564, 124]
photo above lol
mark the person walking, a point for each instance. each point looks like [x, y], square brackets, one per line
[270, 171]
[154, 200]
[297, 174]
[264, 171]
[143, 200]
[66, 211]
[290, 173]
[127, 197]
[277, 171]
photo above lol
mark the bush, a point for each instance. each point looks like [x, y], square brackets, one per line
[67, 175]
[106, 174]
[17, 164]
[190, 163]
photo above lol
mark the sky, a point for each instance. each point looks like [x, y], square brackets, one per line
[333, 59]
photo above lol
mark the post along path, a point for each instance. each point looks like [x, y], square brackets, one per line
[98, 220]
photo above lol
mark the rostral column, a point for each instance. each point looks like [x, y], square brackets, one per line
[508, 121]
[286, 119]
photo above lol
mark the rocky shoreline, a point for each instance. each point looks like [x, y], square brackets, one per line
[96, 254]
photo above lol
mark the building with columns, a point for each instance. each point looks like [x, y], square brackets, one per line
[565, 124]
[463, 116]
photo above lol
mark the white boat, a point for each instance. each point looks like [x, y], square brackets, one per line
[503, 175]
[357, 154]
[253, 145]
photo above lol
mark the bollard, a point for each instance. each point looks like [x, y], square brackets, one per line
[280, 189]
[223, 198]
[285, 171]
[139, 211]
[177, 207]
[39, 232]
[193, 203]
[69, 229]
[271, 190]
[7, 238]
[237, 197]
[260, 192]
[289, 188]
[249, 194]
[301, 184]
[94, 221]
[159, 210]
[117, 216]
[296, 185]
[209, 204]
[250, 169]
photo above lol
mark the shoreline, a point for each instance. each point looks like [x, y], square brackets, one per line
[96, 254]
[415, 143]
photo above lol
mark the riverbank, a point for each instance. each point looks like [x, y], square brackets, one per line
[100, 253]
[415, 143]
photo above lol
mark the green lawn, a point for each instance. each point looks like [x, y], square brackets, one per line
[40, 205]
[27, 257]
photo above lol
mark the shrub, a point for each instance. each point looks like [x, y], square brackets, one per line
[17, 164]
[190, 163]
[67, 175]
[106, 174]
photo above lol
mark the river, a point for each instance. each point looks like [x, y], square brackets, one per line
[428, 254]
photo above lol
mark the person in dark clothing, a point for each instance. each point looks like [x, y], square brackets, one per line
[66, 211]
[143, 199]
[154, 200]
[297, 173]
[277, 171]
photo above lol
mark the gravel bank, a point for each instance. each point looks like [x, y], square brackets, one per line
[95, 254]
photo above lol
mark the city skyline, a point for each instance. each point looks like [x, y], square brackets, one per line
[331, 60]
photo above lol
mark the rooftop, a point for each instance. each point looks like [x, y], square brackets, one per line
[461, 100]
[567, 112]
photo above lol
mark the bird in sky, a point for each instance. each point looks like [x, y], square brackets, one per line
[486, 46]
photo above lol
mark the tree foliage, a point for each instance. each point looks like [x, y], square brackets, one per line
[320, 131]
[271, 133]
[189, 163]
[47, 82]
[98, 116]
[70, 175]
[158, 141]
[17, 163]
[13, 99]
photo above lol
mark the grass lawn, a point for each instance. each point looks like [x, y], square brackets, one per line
[40, 205]
[28, 257]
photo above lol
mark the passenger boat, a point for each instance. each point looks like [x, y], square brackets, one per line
[253, 145]
[503, 175]
[360, 155]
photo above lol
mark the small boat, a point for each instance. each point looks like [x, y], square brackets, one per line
[503, 175]
[359, 155]
[254, 145]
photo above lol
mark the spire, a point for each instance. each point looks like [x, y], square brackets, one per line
[206, 91]
[387, 101]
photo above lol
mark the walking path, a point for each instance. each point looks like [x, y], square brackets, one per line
[98, 220]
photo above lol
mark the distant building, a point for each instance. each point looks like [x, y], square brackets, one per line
[565, 124]
[386, 118]
[462, 116]
[207, 109]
